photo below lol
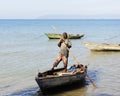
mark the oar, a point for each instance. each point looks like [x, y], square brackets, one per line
[84, 71]
[77, 61]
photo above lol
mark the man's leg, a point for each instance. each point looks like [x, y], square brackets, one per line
[57, 61]
[65, 62]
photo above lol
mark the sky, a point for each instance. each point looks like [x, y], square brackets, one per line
[59, 9]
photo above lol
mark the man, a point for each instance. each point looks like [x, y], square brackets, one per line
[64, 45]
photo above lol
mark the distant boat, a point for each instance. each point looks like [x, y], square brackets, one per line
[58, 36]
[54, 79]
[102, 46]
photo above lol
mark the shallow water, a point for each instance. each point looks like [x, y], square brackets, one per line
[25, 50]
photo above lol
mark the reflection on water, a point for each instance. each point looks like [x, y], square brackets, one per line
[74, 90]
[27, 92]
[81, 91]
[103, 95]
[93, 76]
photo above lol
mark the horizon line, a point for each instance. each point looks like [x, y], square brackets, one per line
[60, 18]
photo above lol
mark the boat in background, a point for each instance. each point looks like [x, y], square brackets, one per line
[102, 46]
[58, 36]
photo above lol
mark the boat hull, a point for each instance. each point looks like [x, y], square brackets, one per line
[53, 82]
[102, 46]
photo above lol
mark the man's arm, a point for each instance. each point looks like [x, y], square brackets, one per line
[69, 45]
[60, 42]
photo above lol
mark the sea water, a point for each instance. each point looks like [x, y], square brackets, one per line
[25, 50]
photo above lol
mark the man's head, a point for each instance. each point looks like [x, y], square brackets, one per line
[65, 35]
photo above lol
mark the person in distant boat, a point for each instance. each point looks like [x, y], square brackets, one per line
[64, 44]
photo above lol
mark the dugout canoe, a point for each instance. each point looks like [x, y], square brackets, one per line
[49, 80]
[102, 46]
[58, 36]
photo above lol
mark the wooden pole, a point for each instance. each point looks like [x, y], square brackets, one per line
[84, 71]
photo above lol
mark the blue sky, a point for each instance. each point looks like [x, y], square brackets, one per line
[32, 9]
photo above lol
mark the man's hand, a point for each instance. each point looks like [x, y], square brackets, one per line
[62, 40]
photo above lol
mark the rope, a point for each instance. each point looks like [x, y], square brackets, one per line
[112, 37]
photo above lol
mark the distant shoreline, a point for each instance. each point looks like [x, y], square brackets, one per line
[61, 19]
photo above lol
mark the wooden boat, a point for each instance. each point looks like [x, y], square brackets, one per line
[58, 36]
[53, 79]
[102, 46]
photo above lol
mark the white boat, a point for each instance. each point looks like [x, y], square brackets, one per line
[102, 46]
